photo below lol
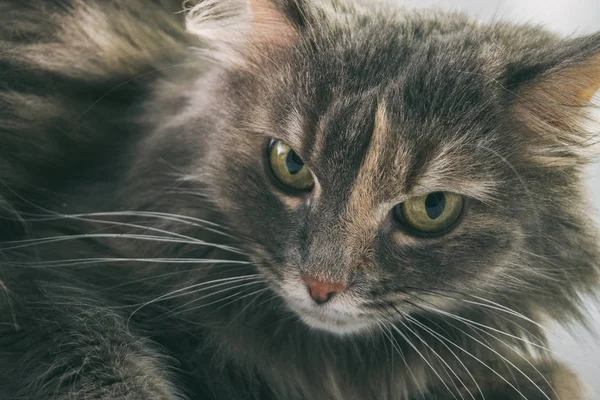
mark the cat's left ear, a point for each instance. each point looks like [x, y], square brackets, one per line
[555, 96]
[241, 26]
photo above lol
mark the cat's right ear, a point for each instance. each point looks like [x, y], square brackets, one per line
[231, 29]
[556, 97]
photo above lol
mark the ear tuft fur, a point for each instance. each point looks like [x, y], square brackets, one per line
[560, 104]
[231, 27]
[219, 22]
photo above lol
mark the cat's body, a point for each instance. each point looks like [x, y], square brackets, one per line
[138, 141]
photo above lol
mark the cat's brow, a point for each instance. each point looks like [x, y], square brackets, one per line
[481, 190]
[453, 169]
[364, 195]
[380, 139]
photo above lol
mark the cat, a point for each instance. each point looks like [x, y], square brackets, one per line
[289, 199]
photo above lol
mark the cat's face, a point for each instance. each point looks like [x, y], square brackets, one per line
[360, 193]
[376, 169]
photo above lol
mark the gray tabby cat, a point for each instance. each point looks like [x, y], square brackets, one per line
[289, 199]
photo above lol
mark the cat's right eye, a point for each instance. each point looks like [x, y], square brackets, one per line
[288, 167]
[434, 214]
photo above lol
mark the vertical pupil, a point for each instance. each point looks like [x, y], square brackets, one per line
[293, 163]
[435, 204]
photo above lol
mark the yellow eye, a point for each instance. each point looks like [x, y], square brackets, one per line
[288, 168]
[431, 214]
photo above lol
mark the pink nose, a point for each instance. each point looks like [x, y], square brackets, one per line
[320, 291]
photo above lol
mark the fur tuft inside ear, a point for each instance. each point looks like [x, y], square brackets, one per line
[218, 22]
[271, 25]
[233, 26]
[559, 105]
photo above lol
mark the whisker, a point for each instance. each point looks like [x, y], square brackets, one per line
[493, 305]
[172, 273]
[184, 306]
[477, 324]
[473, 325]
[164, 215]
[187, 220]
[257, 293]
[198, 193]
[187, 289]
[236, 297]
[499, 355]
[508, 361]
[184, 219]
[410, 343]
[388, 333]
[201, 287]
[437, 355]
[274, 295]
[423, 326]
[390, 357]
[479, 361]
[154, 229]
[469, 324]
[94, 261]
[54, 239]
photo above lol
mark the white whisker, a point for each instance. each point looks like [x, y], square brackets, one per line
[396, 346]
[470, 323]
[93, 261]
[423, 326]
[54, 239]
[477, 324]
[184, 306]
[479, 361]
[502, 357]
[442, 360]
[258, 292]
[186, 289]
[492, 305]
[173, 273]
[410, 343]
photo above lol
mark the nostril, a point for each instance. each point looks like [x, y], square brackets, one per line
[321, 299]
[321, 291]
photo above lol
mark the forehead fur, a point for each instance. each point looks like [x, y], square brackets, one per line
[392, 115]
[445, 80]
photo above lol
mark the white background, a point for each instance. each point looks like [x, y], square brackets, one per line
[568, 17]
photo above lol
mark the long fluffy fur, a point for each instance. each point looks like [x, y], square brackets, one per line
[145, 112]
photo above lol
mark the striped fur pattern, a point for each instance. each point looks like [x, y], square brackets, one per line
[146, 252]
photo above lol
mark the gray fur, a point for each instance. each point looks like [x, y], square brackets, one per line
[160, 120]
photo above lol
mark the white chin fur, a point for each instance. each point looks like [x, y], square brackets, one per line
[338, 327]
[339, 316]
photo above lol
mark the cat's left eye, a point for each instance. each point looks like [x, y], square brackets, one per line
[289, 168]
[433, 214]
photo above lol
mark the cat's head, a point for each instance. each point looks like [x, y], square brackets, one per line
[378, 162]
